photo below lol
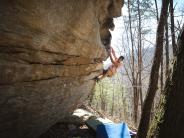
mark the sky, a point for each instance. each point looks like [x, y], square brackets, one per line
[118, 33]
[119, 37]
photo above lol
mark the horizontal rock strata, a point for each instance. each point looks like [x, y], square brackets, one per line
[50, 51]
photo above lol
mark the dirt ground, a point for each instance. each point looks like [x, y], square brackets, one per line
[63, 130]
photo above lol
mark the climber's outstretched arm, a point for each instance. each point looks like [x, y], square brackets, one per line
[113, 53]
[111, 58]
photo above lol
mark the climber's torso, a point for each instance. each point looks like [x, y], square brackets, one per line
[113, 69]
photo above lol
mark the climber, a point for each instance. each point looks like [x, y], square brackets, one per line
[112, 69]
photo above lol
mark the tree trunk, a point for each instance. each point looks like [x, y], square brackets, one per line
[172, 28]
[154, 103]
[145, 117]
[113, 99]
[161, 73]
[136, 103]
[170, 123]
[167, 49]
[139, 55]
[156, 9]
[90, 97]
[102, 98]
[134, 83]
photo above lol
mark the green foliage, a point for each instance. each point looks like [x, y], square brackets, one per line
[111, 93]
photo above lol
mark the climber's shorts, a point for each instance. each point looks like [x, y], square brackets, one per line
[105, 71]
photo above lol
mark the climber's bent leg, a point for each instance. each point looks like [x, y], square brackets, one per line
[104, 74]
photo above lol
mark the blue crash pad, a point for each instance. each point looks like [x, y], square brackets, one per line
[113, 131]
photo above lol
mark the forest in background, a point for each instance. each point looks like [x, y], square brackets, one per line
[121, 97]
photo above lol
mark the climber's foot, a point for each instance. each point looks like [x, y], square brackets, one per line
[96, 79]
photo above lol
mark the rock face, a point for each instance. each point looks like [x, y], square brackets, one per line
[49, 53]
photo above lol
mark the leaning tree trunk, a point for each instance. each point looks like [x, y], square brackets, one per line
[145, 117]
[170, 116]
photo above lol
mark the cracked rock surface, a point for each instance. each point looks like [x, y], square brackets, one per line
[50, 51]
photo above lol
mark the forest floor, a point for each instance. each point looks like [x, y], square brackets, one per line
[73, 126]
[63, 130]
[76, 125]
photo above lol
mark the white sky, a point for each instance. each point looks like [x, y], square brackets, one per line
[119, 37]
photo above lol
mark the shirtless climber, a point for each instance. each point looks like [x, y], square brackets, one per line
[112, 69]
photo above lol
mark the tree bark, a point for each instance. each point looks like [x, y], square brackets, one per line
[113, 99]
[170, 123]
[145, 117]
[172, 28]
[167, 49]
[156, 9]
[139, 55]
[134, 82]
[161, 73]
[102, 98]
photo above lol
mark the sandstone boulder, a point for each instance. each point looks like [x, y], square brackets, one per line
[50, 51]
